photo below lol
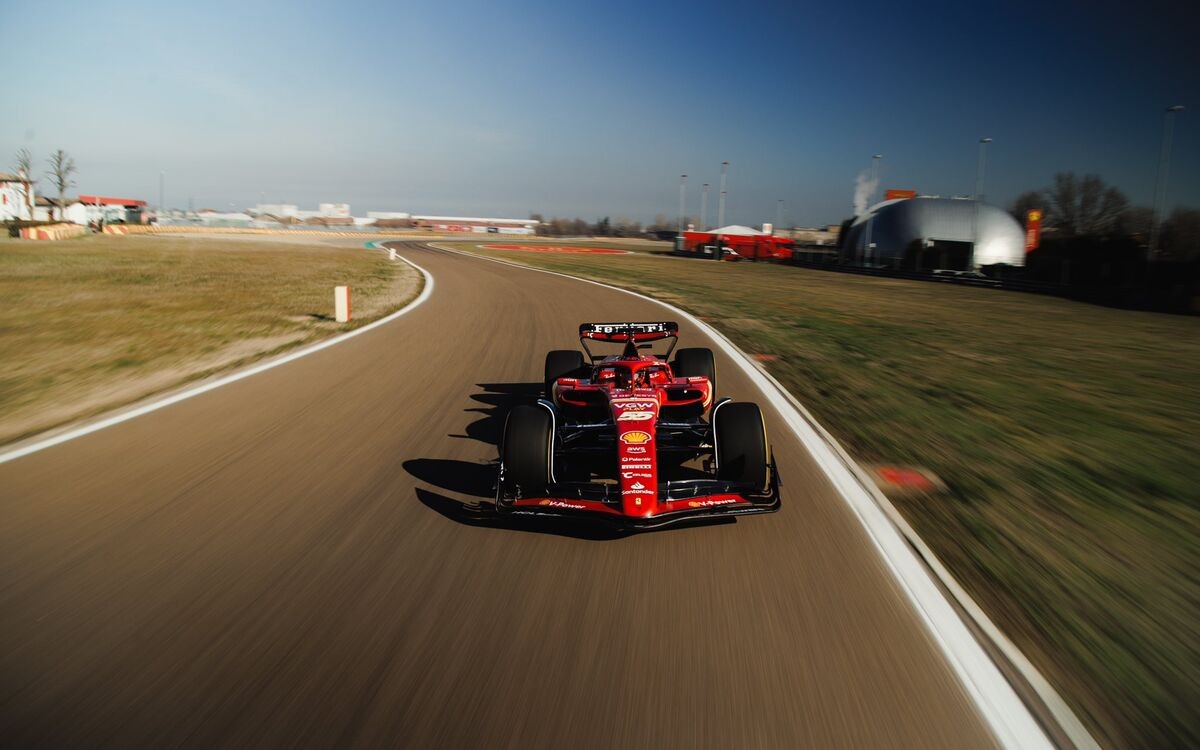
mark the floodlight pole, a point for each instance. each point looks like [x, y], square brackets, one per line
[704, 208]
[721, 208]
[874, 179]
[682, 199]
[1160, 187]
[721, 204]
[979, 171]
[979, 168]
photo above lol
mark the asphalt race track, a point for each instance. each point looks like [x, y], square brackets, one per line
[290, 559]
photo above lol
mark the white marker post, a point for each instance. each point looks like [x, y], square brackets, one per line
[341, 303]
[391, 253]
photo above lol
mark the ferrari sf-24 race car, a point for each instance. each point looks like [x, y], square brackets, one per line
[637, 438]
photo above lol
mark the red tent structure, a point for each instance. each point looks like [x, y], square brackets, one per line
[738, 243]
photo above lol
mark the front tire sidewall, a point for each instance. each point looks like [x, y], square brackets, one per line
[527, 450]
[742, 451]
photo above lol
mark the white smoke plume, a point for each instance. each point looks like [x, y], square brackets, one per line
[864, 188]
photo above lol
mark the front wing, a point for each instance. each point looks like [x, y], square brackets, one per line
[564, 501]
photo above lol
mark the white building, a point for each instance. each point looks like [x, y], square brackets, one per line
[47, 209]
[388, 215]
[275, 209]
[333, 210]
[16, 198]
[212, 218]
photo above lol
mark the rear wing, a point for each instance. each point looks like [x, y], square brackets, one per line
[619, 333]
[630, 334]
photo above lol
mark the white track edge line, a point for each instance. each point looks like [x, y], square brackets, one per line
[1007, 716]
[125, 416]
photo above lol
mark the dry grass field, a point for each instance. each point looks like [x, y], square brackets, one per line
[1068, 436]
[100, 321]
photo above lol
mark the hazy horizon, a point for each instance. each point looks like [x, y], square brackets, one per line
[477, 109]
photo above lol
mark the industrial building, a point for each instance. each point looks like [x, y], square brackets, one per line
[924, 233]
[476, 224]
[90, 209]
[292, 211]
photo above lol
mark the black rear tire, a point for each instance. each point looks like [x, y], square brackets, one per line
[740, 438]
[527, 451]
[562, 363]
[693, 363]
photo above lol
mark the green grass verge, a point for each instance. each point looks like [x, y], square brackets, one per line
[99, 321]
[1066, 435]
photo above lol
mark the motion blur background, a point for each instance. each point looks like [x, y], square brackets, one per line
[498, 109]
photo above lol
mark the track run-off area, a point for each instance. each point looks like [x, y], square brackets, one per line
[292, 558]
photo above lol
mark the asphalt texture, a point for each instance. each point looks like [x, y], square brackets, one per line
[297, 559]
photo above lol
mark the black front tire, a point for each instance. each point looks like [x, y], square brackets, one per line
[742, 451]
[692, 363]
[528, 451]
[561, 363]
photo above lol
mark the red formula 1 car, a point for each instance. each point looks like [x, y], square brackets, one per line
[636, 438]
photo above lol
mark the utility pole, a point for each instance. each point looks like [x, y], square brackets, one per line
[778, 215]
[161, 178]
[704, 208]
[1160, 187]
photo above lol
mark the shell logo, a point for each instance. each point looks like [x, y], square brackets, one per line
[635, 437]
[1035, 215]
[544, 502]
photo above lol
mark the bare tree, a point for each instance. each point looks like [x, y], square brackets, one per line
[1181, 234]
[62, 167]
[1137, 221]
[1026, 202]
[1084, 206]
[23, 166]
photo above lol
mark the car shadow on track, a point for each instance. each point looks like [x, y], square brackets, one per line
[497, 400]
[478, 480]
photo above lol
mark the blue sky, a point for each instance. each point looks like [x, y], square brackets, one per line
[596, 109]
